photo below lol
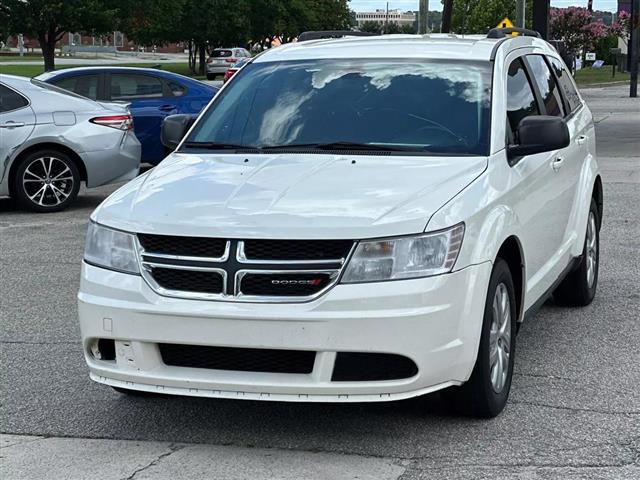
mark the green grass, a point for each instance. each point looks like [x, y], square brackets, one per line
[33, 70]
[591, 76]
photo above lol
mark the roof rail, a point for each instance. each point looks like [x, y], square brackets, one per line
[320, 34]
[503, 32]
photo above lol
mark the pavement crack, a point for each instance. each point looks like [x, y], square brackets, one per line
[173, 448]
[575, 409]
[29, 342]
[540, 375]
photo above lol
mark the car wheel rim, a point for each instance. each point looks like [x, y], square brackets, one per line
[592, 250]
[500, 338]
[47, 181]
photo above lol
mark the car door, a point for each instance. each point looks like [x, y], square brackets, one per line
[150, 101]
[581, 129]
[17, 121]
[568, 161]
[538, 189]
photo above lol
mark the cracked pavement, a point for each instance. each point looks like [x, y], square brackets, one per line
[574, 411]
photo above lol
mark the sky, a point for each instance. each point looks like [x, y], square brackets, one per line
[369, 5]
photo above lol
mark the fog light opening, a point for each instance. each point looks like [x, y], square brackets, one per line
[103, 349]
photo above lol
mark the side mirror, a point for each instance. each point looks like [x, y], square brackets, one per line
[539, 133]
[174, 128]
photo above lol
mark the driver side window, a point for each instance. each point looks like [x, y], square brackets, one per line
[521, 102]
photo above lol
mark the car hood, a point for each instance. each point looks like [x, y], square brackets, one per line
[288, 196]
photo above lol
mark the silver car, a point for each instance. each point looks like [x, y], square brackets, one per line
[222, 59]
[51, 140]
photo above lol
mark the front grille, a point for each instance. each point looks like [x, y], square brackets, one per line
[303, 250]
[184, 246]
[241, 270]
[362, 367]
[284, 284]
[188, 280]
[238, 359]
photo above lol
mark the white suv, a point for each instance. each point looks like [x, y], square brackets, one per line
[357, 219]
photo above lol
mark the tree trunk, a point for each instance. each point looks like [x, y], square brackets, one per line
[202, 51]
[447, 13]
[48, 46]
[192, 57]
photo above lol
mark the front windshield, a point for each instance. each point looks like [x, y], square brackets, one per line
[418, 105]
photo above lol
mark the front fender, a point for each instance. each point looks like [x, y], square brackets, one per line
[489, 220]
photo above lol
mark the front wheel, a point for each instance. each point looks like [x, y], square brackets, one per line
[486, 392]
[46, 181]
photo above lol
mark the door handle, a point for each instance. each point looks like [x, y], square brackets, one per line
[11, 124]
[581, 139]
[167, 108]
[557, 163]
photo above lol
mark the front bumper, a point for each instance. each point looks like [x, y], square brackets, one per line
[218, 69]
[435, 322]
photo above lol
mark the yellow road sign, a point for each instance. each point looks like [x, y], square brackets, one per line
[505, 23]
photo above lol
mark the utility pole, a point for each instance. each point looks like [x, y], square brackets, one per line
[423, 16]
[447, 13]
[634, 47]
[520, 9]
[541, 17]
[386, 20]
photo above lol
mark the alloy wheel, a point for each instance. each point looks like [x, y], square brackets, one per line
[591, 250]
[48, 181]
[500, 338]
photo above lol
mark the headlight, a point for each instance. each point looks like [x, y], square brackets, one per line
[405, 257]
[111, 249]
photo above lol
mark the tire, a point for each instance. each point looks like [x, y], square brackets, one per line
[211, 76]
[46, 181]
[486, 392]
[579, 287]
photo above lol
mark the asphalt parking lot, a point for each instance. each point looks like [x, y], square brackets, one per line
[574, 410]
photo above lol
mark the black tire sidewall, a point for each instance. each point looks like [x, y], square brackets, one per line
[487, 400]
[21, 195]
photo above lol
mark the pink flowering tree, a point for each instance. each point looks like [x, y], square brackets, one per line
[576, 27]
[622, 27]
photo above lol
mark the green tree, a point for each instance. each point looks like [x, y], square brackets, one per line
[328, 14]
[371, 26]
[150, 22]
[408, 28]
[49, 20]
[479, 16]
[210, 24]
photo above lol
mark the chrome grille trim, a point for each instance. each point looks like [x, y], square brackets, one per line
[239, 296]
[223, 258]
[209, 264]
[242, 258]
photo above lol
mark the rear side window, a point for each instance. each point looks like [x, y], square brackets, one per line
[85, 85]
[11, 100]
[566, 84]
[521, 101]
[222, 53]
[546, 85]
[128, 87]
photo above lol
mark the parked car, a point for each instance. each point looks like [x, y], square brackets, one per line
[151, 95]
[52, 140]
[351, 220]
[222, 59]
[232, 71]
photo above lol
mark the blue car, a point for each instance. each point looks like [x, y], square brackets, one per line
[151, 94]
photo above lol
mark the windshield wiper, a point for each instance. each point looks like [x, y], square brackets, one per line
[339, 146]
[219, 146]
